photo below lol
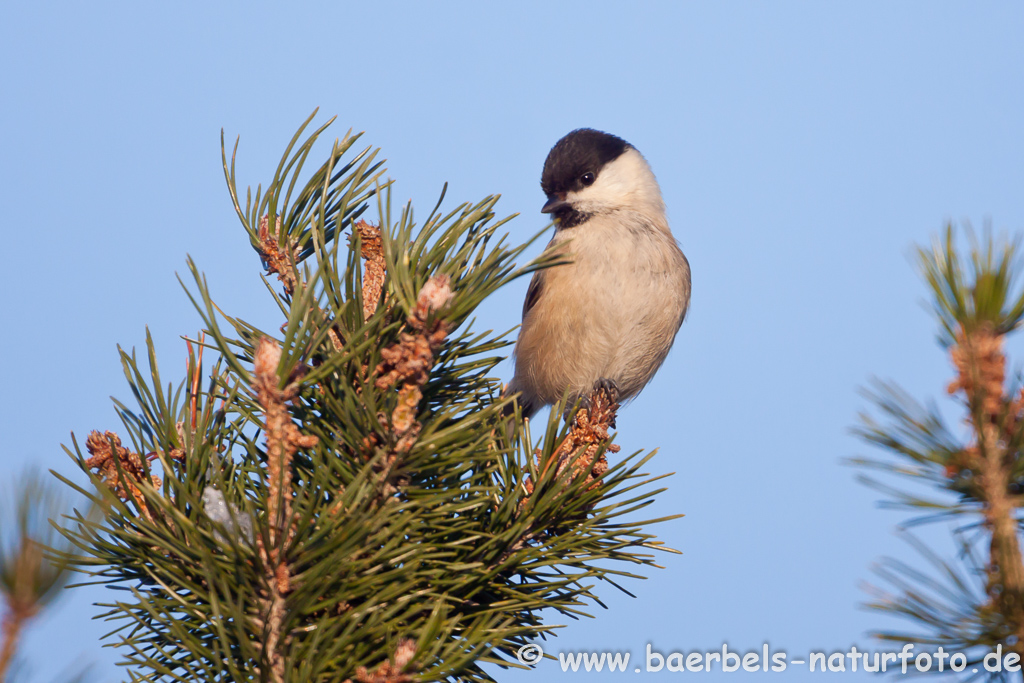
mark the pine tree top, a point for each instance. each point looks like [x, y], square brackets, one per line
[344, 497]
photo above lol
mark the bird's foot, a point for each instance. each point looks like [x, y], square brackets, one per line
[603, 398]
[609, 387]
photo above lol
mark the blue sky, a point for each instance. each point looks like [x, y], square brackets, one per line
[803, 149]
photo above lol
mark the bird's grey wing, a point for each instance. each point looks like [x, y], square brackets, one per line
[533, 292]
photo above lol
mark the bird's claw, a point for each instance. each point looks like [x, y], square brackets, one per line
[611, 392]
[610, 387]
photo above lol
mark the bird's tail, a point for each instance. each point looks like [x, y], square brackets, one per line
[522, 404]
[527, 404]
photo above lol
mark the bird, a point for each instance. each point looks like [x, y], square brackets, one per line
[607, 316]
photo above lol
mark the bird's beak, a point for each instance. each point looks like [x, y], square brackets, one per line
[553, 204]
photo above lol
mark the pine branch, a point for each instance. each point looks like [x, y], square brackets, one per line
[977, 308]
[30, 575]
[338, 499]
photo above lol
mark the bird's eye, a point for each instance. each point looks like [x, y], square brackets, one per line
[587, 179]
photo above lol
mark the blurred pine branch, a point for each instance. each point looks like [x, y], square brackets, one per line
[31, 577]
[973, 474]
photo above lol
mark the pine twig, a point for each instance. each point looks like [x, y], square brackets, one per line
[981, 369]
[283, 441]
[14, 620]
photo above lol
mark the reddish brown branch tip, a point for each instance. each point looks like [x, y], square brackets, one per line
[283, 440]
[21, 599]
[374, 267]
[108, 456]
[393, 671]
[580, 449]
[276, 259]
[981, 368]
[408, 361]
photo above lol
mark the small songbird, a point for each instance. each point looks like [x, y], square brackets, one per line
[609, 316]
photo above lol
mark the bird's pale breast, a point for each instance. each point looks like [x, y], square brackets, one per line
[600, 320]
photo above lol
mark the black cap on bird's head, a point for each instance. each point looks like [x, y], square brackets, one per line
[575, 162]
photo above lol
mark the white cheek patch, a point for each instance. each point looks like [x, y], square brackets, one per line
[626, 183]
